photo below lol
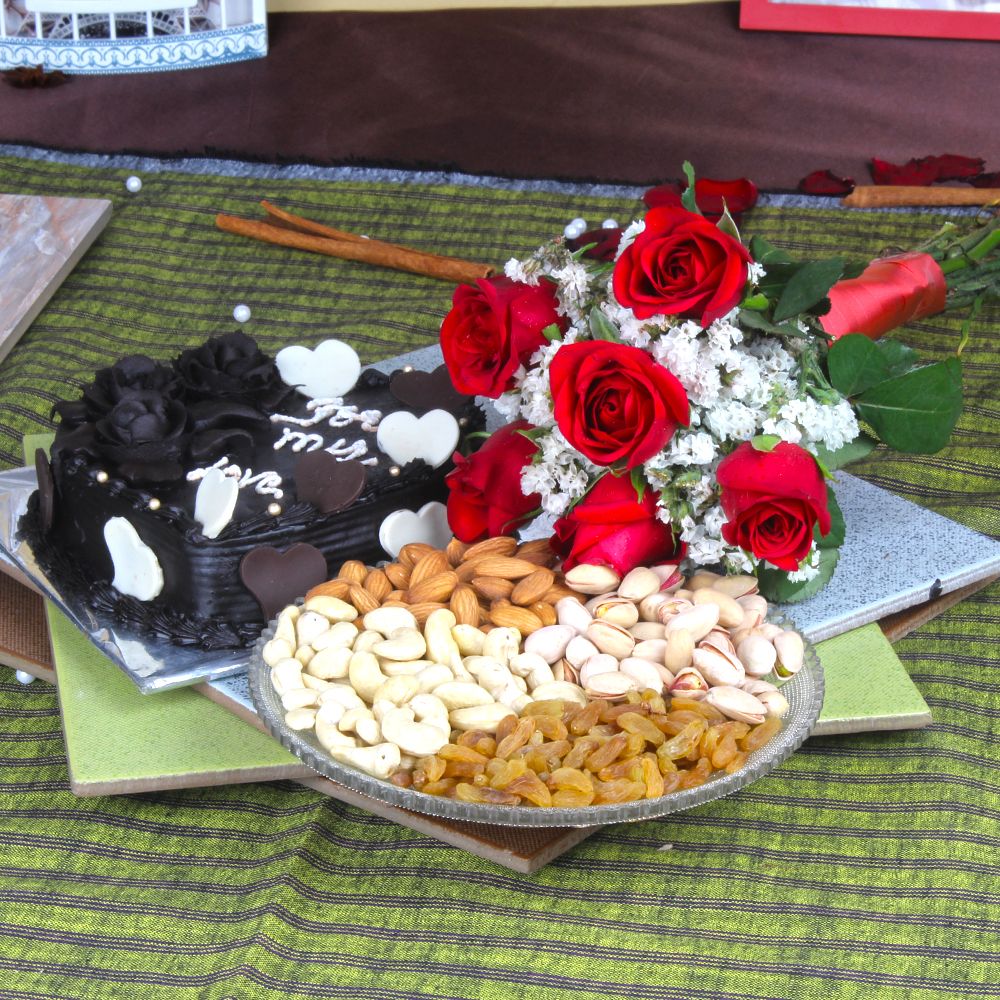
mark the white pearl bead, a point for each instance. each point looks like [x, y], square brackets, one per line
[133, 184]
[24, 677]
[241, 313]
[609, 224]
[576, 227]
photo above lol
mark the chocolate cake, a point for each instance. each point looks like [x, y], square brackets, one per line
[187, 499]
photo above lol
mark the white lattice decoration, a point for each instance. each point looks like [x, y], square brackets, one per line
[128, 36]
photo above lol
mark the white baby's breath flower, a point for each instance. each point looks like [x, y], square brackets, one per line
[529, 272]
[755, 272]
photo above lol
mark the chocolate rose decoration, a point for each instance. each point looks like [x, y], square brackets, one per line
[231, 367]
[145, 436]
[136, 373]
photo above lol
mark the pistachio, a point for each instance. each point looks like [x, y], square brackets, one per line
[586, 578]
[602, 663]
[754, 609]
[736, 704]
[649, 606]
[791, 653]
[689, 683]
[703, 578]
[644, 672]
[578, 650]
[569, 611]
[651, 649]
[717, 666]
[672, 607]
[560, 691]
[618, 611]
[730, 611]
[612, 684]
[679, 647]
[774, 702]
[549, 642]
[643, 631]
[638, 584]
[609, 638]
[592, 604]
[757, 655]
[736, 586]
[698, 620]
[754, 685]
[768, 630]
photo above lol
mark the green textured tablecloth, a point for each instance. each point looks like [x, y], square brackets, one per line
[866, 867]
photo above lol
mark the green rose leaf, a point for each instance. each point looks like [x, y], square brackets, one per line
[601, 328]
[775, 585]
[727, 224]
[767, 253]
[765, 442]
[639, 482]
[915, 412]
[853, 451]
[808, 287]
[687, 195]
[898, 357]
[855, 364]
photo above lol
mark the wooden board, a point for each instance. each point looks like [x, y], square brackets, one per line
[41, 241]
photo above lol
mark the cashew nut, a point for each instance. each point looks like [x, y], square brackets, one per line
[417, 738]
[365, 675]
[379, 761]
[462, 694]
[330, 663]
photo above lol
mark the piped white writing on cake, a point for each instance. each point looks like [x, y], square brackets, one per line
[264, 483]
[335, 412]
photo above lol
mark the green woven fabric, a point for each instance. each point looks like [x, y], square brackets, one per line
[864, 867]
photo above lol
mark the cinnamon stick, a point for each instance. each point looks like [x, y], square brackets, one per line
[359, 249]
[889, 195]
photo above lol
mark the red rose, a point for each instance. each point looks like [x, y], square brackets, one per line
[493, 327]
[772, 501]
[614, 403]
[681, 265]
[612, 527]
[486, 497]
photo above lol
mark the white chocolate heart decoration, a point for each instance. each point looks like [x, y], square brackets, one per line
[405, 437]
[215, 502]
[429, 524]
[137, 570]
[331, 369]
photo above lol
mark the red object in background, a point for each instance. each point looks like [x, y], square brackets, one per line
[888, 293]
[605, 243]
[712, 196]
[767, 15]
[927, 170]
[826, 182]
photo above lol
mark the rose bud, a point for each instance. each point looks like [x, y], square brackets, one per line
[681, 265]
[486, 497]
[493, 327]
[772, 501]
[612, 527]
[614, 403]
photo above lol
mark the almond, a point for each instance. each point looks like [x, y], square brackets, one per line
[398, 575]
[545, 612]
[512, 616]
[492, 587]
[361, 599]
[434, 589]
[422, 611]
[464, 605]
[501, 545]
[532, 587]
[353, 571]
[454, 550]
[332, 588]
[538, 550]
[428, 565]
[394, 597]
[505, 567]
[377, 584]
[410, 553]
[558, 591]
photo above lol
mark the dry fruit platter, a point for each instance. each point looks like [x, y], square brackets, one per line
[479, 682]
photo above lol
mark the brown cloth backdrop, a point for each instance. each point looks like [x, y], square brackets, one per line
[609, 94]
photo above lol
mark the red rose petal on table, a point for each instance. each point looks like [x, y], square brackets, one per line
[826, 182]
[927, 170]
[604, 243]
[738, 195]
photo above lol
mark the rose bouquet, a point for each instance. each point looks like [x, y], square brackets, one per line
[677, 394]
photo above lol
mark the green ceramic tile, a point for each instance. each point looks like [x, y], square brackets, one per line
[867, 686]
[118, 740]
